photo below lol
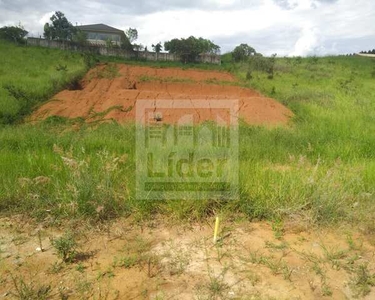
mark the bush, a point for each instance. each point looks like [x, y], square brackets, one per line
[31, 291]
[14, 34]
[242, 52]
[190, 48]
[65, 247]
[31, 75]
[262, 64]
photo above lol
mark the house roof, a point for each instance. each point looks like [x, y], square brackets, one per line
[99, 28]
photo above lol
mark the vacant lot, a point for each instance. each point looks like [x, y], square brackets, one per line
[70, 164]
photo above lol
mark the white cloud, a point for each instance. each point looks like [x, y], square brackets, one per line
[46, 18]
[284, 26]
[307, 43]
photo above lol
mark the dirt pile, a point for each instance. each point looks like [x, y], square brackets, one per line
[110, 92]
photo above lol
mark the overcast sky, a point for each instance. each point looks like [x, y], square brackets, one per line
[286, 27]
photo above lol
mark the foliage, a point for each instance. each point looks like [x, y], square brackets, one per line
[363, 281]
[59, 28]
[65, 247]
[261, 63]
[30, 291]
[138, 47]
[80, 37]
[157, 47]
[109, 43]
[132, 34]
[368, 52]
[320, 168]
[190, 48]
[242, 52]
[14, 34]
[30, 75]
[125, 43]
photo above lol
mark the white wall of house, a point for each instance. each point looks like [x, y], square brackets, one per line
[101, 38]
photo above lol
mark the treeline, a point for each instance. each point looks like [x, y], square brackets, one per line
[189, 49]
[15, 34]
[368, 52]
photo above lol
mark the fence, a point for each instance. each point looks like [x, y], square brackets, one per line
[102, 50]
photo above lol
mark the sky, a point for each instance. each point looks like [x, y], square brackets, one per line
[285, 27]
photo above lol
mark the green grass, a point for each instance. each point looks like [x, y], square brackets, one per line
[321, 168]
[30, 75]
[162, 64]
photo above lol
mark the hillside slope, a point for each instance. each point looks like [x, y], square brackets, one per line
[319, 169]
[112, 91]
[29, 75]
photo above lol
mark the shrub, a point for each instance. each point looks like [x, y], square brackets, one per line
[14, 34]
[242, 52]
[65, 247]
[25, 291]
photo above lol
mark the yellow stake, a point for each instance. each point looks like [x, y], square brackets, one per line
[216, 229]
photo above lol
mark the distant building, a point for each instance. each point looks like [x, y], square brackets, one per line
[99, 34]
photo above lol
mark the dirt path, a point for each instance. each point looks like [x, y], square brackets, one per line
[110, 92]
[125, 260]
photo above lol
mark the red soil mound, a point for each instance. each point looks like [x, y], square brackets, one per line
[111, 92]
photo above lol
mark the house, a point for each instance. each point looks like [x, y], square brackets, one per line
[100, 34]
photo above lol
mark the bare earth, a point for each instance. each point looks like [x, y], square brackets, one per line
[110, 92]
[126, 260]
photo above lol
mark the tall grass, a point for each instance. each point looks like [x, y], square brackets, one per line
[29, 75]
[320, 168]
[52, 169]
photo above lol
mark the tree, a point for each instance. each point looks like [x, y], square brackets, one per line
[59, 28]
[125, 43]
[80, 37]
[157, 48]
[138, 47]
[14, 34]
[242, 52]
[190, 48]
[132, 34]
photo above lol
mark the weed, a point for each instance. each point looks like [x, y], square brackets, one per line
[83, 286]
[334, 256]
[44, 73]
[326, 290]
[110, 71]
[179, 262]
[126, 261]
[277, 266]
[278, 228]
[281, 246]
[215, 288]
[108, 273]
[65, 247]
[332, 114]
[55, 268]
[253, 278]
[249, 76]
[352, 244]
[80, 268]
[30, 291]
[362, 282]
[61, 67]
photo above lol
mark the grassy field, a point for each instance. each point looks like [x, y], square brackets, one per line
[320, 169]
[31, 75]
